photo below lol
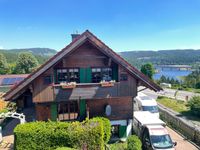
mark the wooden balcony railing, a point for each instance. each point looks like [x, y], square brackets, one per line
[91, 91]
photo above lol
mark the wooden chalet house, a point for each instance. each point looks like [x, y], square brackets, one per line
[84, 79]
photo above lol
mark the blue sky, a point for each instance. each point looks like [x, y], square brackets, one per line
[123, 25]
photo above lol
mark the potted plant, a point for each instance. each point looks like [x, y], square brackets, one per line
[107, 83]
[69, 85]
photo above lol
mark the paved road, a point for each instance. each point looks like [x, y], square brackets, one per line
[8, 137]
[181, 95]
[182, 144]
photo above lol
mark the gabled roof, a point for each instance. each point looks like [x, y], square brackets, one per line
[86, 36]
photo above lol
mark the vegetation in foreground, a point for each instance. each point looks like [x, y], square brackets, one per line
[51, 135]
[91, 134]
[133, 143]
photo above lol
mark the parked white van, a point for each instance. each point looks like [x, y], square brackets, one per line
[145, 103]
[152, 132]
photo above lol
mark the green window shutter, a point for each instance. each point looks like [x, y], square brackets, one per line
[53, 111]
[82, 75]
[82, 108]
[115, 73]
[85, 75]
[122, 131]
[88, 75]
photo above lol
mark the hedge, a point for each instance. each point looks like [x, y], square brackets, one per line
[134, 143]
[106, 127]
[65, 148]
[50, 135]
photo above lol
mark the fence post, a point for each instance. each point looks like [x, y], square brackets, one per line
[1, 137]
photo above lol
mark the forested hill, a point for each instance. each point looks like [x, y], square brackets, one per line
[42, 54]
[165, 57]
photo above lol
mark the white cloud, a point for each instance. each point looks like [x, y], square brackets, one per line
[1, 47]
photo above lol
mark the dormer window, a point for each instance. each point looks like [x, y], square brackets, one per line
[67, 75]
[99, 74]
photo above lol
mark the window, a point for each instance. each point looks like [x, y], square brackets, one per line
[74, 75]
[123, 77]
[99, 74]
[96, 75]
[106, 74]
[47, 80]
[68, 111]
[115, 131]
[67, 75]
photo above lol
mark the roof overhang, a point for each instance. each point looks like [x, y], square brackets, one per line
[68, 49]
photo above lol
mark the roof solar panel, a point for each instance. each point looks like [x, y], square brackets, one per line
[19, 79]
[5, 81]
[11, 81]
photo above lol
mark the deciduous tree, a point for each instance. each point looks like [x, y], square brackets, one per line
[148, 70]
[3, 64]
[26, 62]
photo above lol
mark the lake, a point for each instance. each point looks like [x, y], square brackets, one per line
[172, 73]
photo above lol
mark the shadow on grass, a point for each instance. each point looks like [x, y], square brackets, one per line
[189, 115]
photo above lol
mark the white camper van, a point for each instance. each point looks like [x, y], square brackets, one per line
[145, 103]
[152, 132]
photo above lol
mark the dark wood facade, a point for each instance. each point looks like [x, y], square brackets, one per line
[86, 57]
[86, 61]
[121, 108]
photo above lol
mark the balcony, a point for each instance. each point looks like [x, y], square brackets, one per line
[86, 91]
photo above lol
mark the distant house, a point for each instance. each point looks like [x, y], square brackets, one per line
[84, 79]
[9, 80]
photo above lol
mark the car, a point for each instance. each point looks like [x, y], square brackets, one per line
[142, 102]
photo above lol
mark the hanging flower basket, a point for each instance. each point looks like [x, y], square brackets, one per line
[70, 85]
[107, 83]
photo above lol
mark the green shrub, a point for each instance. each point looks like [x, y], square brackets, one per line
[65, 148]
[134, 143]
[118, 146]
[50, 135]
[194, 104]
[106, 127]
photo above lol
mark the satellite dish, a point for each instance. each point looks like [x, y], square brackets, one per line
[108, 110]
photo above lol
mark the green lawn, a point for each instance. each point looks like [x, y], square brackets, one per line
[176, 105]
[179, 106]
[192, 90]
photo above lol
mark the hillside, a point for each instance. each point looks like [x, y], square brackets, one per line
[167, 57]
[42, 54]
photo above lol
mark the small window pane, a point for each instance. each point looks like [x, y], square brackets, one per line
[93, 70]
[98, 70]
[123, 77]
[47, 80]
[70, 70]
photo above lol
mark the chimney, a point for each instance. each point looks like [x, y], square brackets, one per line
[74, 36]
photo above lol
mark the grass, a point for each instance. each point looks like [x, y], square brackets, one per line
[176, 105]
[192, 90]
[180, 107]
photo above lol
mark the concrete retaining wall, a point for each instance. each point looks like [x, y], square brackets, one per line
[185, 127]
